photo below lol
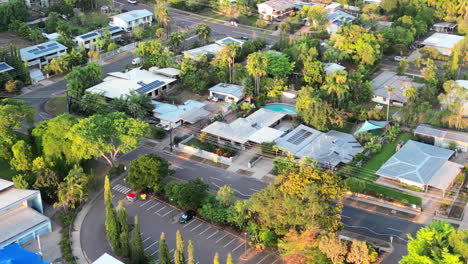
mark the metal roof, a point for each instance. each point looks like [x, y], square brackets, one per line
[4, 67]
[40, 50]
[388, 78]
[11, 196]
[133, 15]
[442, 40]
[445, 134]
[98, 33]
[174, 113]
[146, 88]
[338, 16]
[331, 67]
[278, 5]
[421, 163]
[226, 88]
[227, 40]
[18, 221]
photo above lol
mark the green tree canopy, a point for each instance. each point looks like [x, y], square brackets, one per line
[73, 189]
[83, 77]
[154, 53]
[278, 65]
[22, 156]
[147, 171]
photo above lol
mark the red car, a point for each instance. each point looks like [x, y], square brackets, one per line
[132, 196]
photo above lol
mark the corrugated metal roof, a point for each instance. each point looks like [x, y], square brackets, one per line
[231, 89]
[40, 50]
[4, 67]
[134, 15]
[18, 221]
[427, 130]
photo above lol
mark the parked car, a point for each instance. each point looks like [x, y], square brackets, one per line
[244, 38]
[121, 42]
[132, 196]
[166, 127]
[133, 2]
[187, 216]
[136, 61]
[397, 58]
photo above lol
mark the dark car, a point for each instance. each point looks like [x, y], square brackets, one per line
[244, 38]
[186, 217]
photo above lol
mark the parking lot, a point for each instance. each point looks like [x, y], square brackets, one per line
[157, 216]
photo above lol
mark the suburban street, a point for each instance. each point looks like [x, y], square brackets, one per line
[355, 220]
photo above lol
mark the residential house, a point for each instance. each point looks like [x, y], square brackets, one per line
[4, 67]
[443, 42]
[375, 2]
[172, 116]
[227, 92]
[118, 84]
[398, 82]
[89, 39]
[421, 165]
[329, 149]
[42, 54]
[211, 49]
[21, 214]
[444, 27]
[132, 19]
[442, 137]
[332, 7]
[337, 19]
[332, 67]
[168, 72]
[258, 127]
[273, 9]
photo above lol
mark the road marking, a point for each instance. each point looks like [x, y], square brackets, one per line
[168, 212]
[160, 209]
[205, 230]
[197, 226]
[345, 216]
[189, 224]
[151, 245]
[372, 231]
[238, 247]
[243, 194]
[151, 206]
[229, 243]
[255, 190]
[214, 178]
[146, 239]
[155, 252]
[221, 238]
[213, 234]
[396, 230]
[145, 203]
[263, 259]
[274, 261]
[122, 189]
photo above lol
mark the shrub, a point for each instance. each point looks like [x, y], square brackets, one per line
[158, 132]
[115, 171]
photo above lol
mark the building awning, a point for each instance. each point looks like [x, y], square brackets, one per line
[369, 125]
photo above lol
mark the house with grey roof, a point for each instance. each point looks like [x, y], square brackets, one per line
[337, 19]
[132, 19]
[443, 42]
[42, 54]
[259, 127]
[172, 116]
[211, 49]
[227, 92]
[5, 67]
[442, 137]
[398, 82]
[421, 165]
[272, 9]
[328, 149]
[87, 40]
[21, 215]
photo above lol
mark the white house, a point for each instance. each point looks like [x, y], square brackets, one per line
[87, 40]
[42, 54]
[132, 19]
[443, 42]
[442, 137]
[272, 9]
[211, 49]
[227, 92]
[118, 84]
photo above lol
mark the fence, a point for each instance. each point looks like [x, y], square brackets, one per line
[131, 46]
[202, 153]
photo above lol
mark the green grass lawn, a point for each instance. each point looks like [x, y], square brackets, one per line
[6, 172]
[56, 105]
[393, 194]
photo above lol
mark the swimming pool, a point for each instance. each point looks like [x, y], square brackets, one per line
[284, 108]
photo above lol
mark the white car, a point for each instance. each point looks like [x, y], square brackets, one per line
[397, 58]
[136, 61]
[133, 2]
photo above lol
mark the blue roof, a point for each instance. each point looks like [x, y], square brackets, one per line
[338, 16]
[174, 113]
[97, 33]
[227, 40]
[14, 254]
[43, 49]
[134, 15]
[232, 89]
[145, 88]
[4, 67]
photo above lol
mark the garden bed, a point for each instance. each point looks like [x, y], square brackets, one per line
[218, 150]
[391, 194]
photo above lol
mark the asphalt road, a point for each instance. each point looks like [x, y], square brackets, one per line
[354, 220]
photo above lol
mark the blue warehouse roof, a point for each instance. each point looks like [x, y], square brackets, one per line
[43, 49]
[134, 15]
[4, 67]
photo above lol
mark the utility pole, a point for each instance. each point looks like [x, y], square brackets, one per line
[170, 136]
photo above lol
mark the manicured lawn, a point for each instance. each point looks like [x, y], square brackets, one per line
[56, 105]
[6, 172]
[391, 193]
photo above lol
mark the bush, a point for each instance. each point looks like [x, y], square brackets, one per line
[66, 220]
[158, 132]
[214, 211]
[460, 179]
[116, 171]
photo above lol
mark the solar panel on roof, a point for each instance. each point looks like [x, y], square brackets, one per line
[150, 86]
[141, 83]
[89, 35]
[52, 45]
[41, 47]
[4, 67]
[299, 137]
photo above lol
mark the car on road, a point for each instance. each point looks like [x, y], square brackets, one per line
[132, 196]
[133, 2]
[244, 38]
[186, 217]
[136, 61]
[397, 58]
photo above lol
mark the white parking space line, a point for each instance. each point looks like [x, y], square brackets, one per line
[263, 259]
[229, 243]
[160, 209]
[213, 234]
[197, 226]
[146, 239]
[205, 230]
[155, 252]
[396, 230]
[240, 245]
[172, 250]
[151, 245]
[145, 203]
[168, 212]
[189, 224]
[344, 216]
[275, 261]
[149, 208]
[221, 238]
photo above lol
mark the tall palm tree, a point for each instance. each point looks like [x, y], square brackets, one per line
[257, 64]
[410, 93]
[162, 16]
[203, 31]
[230, 52]
[390, 90]
[337, 85]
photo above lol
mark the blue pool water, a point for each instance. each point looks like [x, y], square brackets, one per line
[288, 109]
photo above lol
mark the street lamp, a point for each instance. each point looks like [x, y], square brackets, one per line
[245, 243]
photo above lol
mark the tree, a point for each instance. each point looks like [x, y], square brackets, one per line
[358, 253]
[393, 132]
[336, 85]
[216, 258]
[316, 16]
[430, 72]
[164, 255]
[190, 253]
[124, 245]
[190, 194]
[20, 181]
[175, 40]
[298, 247]
[51, 22]
[93, 103]
[161, 15]
[22, 156]
[373, 145]
[193, 75]
[106, 136]
[274, 87]
[402, 66]
[316, 112]
[458, 240]
[159, 33]
[411, 93]
[124, 229]
[314, 73]
[154, 53]
[229, 259]
[13, 86]
[453, 100]
[73, 189]
[138, 32]
[332, 246]
[227, 55]
[203, 31]
[278, 65]
[111, 223]
[257, 64]
[225, 195]
[137, 254]
[147, 171]
[83, 77]
[135, 105]
[390, 90]
[179, 257]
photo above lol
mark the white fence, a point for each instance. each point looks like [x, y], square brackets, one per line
[203, 154]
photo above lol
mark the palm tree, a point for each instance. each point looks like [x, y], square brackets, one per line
[162, 16]
[203, 31]
[410, 93]
[230, 51]
[390, 90]
[257, 64]
[337, 85]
